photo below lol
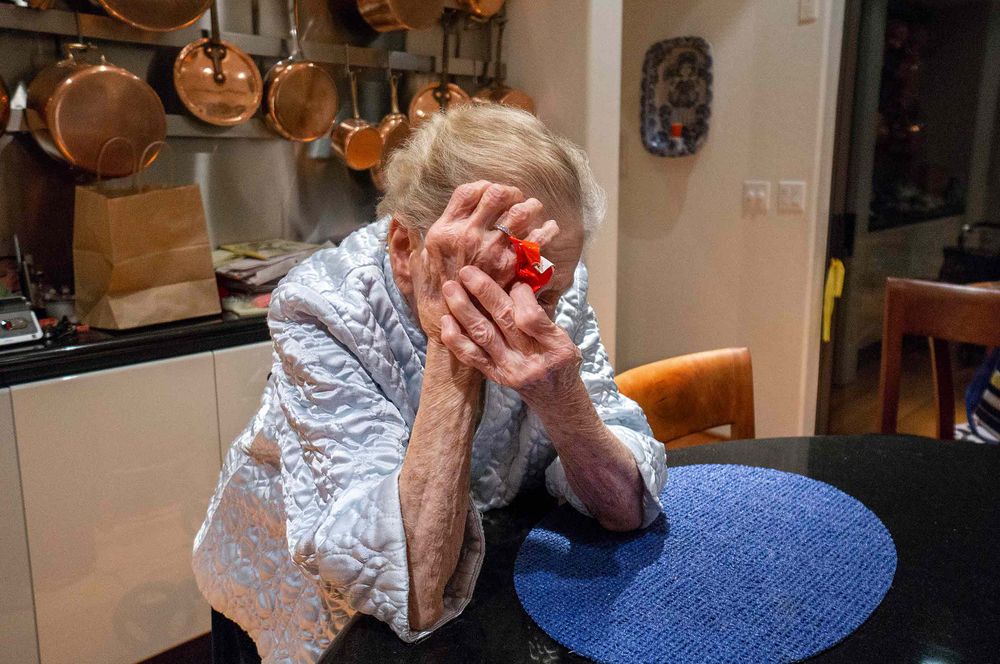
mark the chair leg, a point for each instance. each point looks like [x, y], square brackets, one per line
[944, 389]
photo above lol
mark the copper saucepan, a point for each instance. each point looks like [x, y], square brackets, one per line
[300, 101]
[354, 139]
[394, 129]
[217, 82]
[75, 108]
[387, 15]
[155, 15]
[497, 91]
[4, 107]
[440, 96]
[481, 9]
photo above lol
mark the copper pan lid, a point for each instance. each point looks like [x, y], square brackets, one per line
[226, 102]
[426, 102]
[4, 107]
[507, 96]
[301, 100]
[156, 15]
[387, 15]
[96, 105]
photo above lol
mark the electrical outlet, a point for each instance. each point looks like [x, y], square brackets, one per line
[756, 198]
[791, 197]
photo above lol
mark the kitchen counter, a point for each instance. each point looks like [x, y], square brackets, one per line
[103, 349]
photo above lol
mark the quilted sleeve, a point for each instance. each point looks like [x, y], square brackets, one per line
[342, 444]
[622, 415]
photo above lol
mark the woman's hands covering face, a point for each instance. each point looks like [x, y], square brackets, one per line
[466, 234]
[508, 337]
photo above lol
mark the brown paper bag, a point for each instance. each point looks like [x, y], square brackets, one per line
[142, 257]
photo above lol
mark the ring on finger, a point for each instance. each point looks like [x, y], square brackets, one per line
[503, 229]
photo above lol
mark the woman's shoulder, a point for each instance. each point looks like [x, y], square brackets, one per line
[358, 256]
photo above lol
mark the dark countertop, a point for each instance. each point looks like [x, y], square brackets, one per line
[99, 349]
[940, 501]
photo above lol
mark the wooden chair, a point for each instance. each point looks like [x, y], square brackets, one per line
[942, 313]
[685, 396]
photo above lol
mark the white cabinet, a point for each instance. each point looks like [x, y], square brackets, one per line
[240, 375]
[17, 612]
[117, 468]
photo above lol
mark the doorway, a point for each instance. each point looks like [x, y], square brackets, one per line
[915, 191]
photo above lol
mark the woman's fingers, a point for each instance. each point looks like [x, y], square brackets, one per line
[495, 301]
[477, 327]
[493, 202]
[522, 217]
[529, 316]
[463, 348]
[544, 234]
[464, 199]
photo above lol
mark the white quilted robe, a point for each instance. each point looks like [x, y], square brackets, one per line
[304, 528]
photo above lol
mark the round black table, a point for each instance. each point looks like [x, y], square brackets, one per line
[939, 499]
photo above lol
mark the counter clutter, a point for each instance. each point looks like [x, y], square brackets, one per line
[220, 84]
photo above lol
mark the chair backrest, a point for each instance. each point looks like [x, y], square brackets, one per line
[693, 393]
[942, 313]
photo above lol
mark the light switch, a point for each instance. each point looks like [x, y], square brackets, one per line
[756, 198]
[791, 197]
[808, 11]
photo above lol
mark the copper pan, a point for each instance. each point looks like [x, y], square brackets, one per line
[300, 99]
[481, 9]
[497, 91]
[440, 96]
[394, 129]
[388, 15]
[217, 82]
[76, 107]
[156, 15]
[4, 107]
[354, 139]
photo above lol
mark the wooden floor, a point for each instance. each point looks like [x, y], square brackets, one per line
[854, 408]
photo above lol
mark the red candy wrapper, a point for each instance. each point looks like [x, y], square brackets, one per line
[532, 268]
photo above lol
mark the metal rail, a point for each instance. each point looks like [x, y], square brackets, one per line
[58, 22]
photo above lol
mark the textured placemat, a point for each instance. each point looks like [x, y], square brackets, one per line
[747, 565]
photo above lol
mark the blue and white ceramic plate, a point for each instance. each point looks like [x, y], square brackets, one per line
[676, 91]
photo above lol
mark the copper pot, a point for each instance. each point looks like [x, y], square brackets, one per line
[300, 102]
[440, 96]
[388, 15]
[499, 93]
[217, 82]
[76, 108]
[355, 140]
[156, 15]
[481, 9]
[4, 107]
[394, 129]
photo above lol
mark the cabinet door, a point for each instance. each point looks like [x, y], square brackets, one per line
[117, 468]
[240, 375]
[17, 613]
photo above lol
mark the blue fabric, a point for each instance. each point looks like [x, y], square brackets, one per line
[747, 565]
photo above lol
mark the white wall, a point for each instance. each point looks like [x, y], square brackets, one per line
[567, 55]
[695, 275]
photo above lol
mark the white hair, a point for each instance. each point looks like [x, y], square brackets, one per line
[485, 141]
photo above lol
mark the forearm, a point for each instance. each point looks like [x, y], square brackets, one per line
[599, 468]
[434, 481]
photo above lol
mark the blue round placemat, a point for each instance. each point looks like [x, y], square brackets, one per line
[746, 565]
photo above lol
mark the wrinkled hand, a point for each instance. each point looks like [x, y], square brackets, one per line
[465, 234]
[514, 343]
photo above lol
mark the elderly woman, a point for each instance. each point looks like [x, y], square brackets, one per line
[417, 382]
